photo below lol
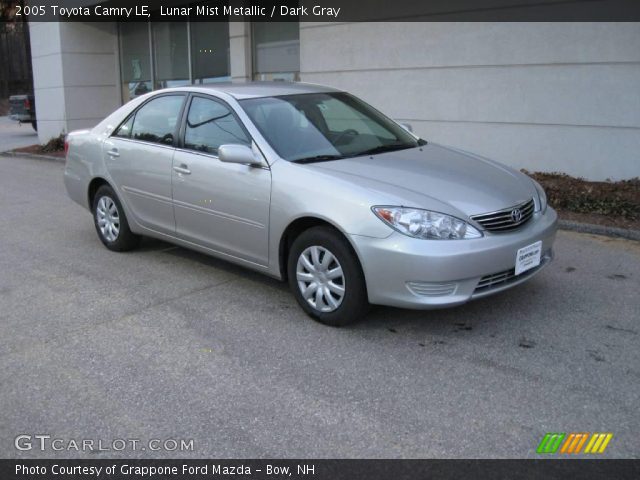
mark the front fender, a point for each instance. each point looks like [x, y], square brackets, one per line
[299, 192]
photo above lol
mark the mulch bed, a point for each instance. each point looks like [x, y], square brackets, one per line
[37, 150]
[53, 148]
[611, 204]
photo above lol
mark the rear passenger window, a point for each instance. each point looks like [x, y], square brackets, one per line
[211, 124]
[156, 121]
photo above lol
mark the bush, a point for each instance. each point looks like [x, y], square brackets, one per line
[56, 144]
[564, 192]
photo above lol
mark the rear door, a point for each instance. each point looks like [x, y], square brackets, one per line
[139, 158]
[222, 206]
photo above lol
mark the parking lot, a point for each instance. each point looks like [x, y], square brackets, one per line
[167, 343]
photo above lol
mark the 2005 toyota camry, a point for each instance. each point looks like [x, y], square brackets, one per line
[311, 185]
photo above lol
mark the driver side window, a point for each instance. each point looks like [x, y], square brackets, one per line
[156, 120]
[211, 124]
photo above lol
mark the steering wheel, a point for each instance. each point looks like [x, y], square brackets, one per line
[348, 131]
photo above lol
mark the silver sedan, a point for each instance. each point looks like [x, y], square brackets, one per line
[311, 185]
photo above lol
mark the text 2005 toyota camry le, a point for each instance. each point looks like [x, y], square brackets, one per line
[312, 185]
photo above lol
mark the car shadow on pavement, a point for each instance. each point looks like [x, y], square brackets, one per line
[159, 246]
[508, 320]
[479, 317]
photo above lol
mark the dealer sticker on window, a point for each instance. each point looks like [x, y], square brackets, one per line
[528, 257]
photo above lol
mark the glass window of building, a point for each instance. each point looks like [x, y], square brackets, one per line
[135, 60]
[210, 59]
[170, 54]
[276, 50]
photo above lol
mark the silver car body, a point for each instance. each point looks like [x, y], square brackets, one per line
[242, 213]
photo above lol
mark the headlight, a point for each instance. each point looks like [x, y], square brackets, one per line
[542, 196]
[425, 224]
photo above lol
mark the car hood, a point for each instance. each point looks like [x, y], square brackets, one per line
[469, 183]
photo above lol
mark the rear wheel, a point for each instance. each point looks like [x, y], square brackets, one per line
[111, 222]
[326, 278]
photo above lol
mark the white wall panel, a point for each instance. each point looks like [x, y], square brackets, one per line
[543, 96]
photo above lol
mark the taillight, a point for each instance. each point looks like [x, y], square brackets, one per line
[27, 104]
[66, 146]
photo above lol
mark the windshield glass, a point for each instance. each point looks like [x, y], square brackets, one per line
[325, 126]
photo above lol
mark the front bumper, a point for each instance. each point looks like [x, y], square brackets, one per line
[405, 272]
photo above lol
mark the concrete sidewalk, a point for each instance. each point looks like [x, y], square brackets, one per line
[13, 135]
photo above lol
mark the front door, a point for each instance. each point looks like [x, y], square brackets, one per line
[139, 158]
[222, 206]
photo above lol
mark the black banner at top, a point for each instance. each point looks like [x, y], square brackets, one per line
[326, 10]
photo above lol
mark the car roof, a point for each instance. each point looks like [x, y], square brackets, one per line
[258, 89]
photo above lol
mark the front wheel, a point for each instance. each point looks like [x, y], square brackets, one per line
[326, 278]
[111, 222]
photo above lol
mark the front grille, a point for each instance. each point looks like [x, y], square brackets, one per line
[495, 280]
[506, 219]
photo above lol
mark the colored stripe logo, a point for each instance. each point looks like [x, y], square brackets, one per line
[573, 443]
[550, 442]
[598, 442]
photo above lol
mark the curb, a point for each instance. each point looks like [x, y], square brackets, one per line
[599, 230]
[31, 156]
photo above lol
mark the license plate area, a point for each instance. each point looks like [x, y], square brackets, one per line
[528, 257]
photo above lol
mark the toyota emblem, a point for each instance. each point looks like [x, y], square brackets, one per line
[516, 215]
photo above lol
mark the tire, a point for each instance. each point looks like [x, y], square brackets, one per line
[110, 221]
[315, 258]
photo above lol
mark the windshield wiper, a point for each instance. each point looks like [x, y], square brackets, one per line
[317, 158]
[386, 148]
[371, 151]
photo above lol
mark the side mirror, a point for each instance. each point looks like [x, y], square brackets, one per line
[238, 154]
[407, 127]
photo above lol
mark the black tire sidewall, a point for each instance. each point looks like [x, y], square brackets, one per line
[126, 239]
[354, 303]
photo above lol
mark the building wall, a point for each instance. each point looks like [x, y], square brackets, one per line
[541, 96]
[240, 51]
[75, 75]
[48, 83]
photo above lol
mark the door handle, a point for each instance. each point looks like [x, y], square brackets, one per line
[183, 169]
[113, 152]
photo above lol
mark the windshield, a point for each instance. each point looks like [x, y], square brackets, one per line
[325, 126]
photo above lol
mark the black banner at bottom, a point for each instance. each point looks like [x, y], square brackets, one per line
[318, 469]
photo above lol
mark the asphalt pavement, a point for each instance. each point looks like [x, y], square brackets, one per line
[164, 343]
